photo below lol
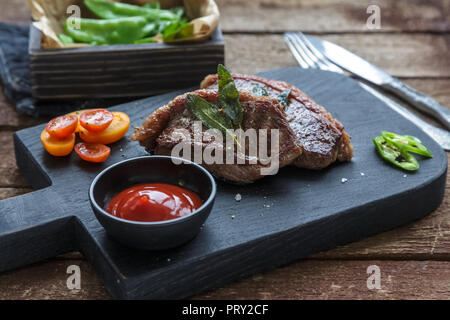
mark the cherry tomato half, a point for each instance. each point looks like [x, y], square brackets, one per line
[77, 114]
[62, 127]
[117, 129]
[56, 146]
[96, 120]
[92, 152]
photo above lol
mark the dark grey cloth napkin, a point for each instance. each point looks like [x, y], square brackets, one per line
[15, 76]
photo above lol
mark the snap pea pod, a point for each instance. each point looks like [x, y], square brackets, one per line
[145, 40]
[113, 10]
[397, 156]
[408, 143]
[65, 38]
[152, 5]
[112, 31]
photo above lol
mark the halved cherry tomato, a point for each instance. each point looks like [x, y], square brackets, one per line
[92, 152]
[62, 127]
[78, 114]
[58, 147]
[96, 120]
[116, 130]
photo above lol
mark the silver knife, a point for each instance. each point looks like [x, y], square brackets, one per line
[441, 136]
[367, 71]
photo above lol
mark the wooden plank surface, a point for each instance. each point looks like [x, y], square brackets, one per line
[332, 16]
[309, 279]
[413, 259]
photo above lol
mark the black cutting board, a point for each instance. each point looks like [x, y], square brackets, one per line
[280, 218]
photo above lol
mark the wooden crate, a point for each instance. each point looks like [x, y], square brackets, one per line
[120, 70]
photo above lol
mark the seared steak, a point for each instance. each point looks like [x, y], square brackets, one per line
[173, 123]
[322, 137]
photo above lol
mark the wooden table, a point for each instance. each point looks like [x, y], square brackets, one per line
[412, 44]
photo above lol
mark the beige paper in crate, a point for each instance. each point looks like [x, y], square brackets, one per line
[50, 14]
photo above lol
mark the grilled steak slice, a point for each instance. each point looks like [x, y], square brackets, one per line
[323, 138]
[173, 123]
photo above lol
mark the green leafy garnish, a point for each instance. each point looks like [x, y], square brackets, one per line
[210, 115]
[260, 90]
[229, 95]
[283, 97]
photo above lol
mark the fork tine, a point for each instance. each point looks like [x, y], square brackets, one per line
[307, 53]
[299, 47]
[292, 46]
[318, 55]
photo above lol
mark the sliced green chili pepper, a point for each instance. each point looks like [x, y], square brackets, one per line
[112, 31]
[113, 10]
[408, 143]
[399, 157]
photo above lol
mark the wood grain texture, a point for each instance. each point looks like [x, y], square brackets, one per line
[14, 11]
[309, 279]
[48, 280]
[344, 280]
[415, 241]
[300, 211]
[401, 55]
[120, 70]
[335, 16]
[325, 16]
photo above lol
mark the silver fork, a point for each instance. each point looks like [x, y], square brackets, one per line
[308, 57]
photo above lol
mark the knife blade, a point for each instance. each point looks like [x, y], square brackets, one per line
[372, 74]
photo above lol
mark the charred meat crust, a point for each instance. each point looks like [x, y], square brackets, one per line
[323, 138]
[161, 131]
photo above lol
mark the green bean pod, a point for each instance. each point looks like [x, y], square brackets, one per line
[113, 10]
[112, 31]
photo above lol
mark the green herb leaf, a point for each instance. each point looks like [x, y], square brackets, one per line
[260, 90]
[229, 95]
[210, 115]
[283, 97]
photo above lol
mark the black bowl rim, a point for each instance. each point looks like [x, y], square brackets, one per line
[155, 223]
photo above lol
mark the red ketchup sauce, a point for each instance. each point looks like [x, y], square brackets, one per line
[153, 202]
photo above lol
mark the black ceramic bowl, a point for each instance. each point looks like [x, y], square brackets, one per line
[152, 235]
